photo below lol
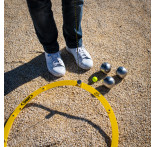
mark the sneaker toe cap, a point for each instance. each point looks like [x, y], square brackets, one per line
[58, 71]
[87, 63]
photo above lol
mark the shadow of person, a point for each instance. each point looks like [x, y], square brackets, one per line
[35, 68]
[25, 73]
[55, 112]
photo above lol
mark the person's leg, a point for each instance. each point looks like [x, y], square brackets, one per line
[47, 33]
[70, 15]
[44, 24]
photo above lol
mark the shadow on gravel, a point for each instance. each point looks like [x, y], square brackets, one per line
[25, 73]
[54, 112]
[117, 79]
[35, 68]
[102, 89]
[100, 75]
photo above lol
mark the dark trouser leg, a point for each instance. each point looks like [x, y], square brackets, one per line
[44, 24]
[69, 22]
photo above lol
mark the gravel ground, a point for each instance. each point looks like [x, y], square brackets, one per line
[117, 32]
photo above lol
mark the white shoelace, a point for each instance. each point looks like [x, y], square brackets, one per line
[82, 53]
[56, 60]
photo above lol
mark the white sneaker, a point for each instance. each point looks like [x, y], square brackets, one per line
[55, 64]
[85, 60]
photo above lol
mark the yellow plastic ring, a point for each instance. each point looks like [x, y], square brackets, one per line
[98, 95]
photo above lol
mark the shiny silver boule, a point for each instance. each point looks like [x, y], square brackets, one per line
[109, 82]
[121, 72]
[105, 67]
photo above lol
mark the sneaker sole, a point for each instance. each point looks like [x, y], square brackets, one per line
[56, 75]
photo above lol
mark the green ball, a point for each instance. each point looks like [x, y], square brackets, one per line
[94, 79]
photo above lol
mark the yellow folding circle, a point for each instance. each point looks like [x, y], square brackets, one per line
[99, 96]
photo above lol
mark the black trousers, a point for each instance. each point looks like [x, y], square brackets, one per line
[45, 27]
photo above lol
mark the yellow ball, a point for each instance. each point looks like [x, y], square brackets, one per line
[94, 79]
